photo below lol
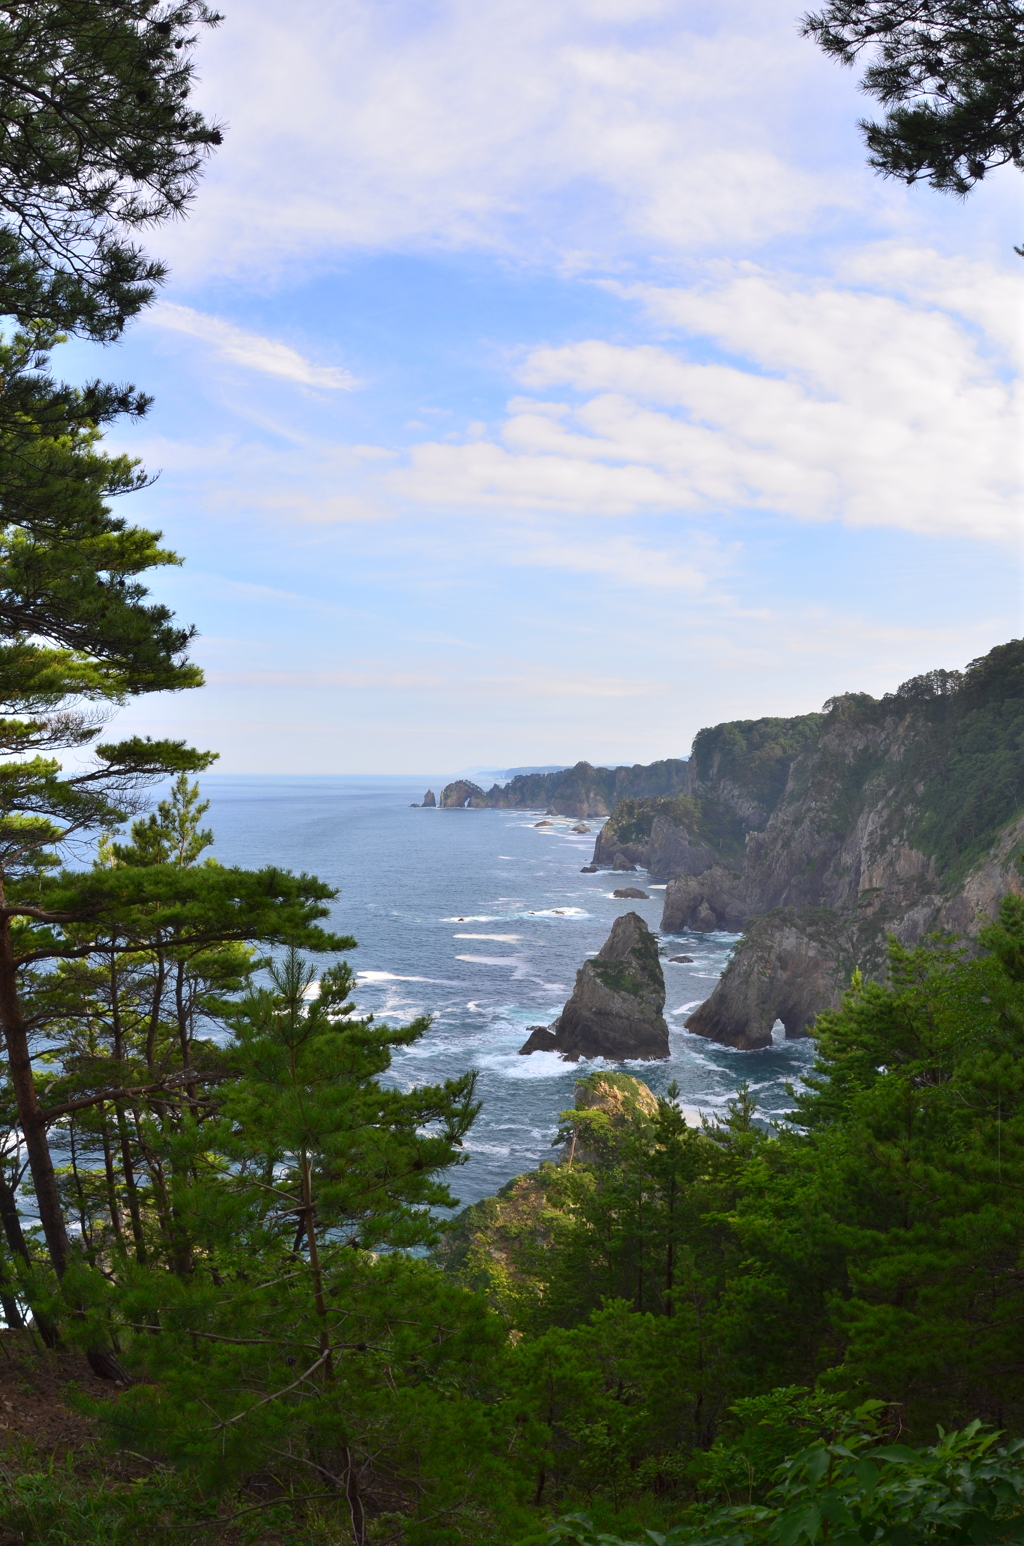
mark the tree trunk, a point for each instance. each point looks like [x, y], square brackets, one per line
[128, 1171]
[154, 1018]
[314, 1265]
[11, 1220]
[8, 1302]
[357, 1512]
[30, 1115]
[18, 1246]
[33, 1128]
[83, 1213]
[108, 1168]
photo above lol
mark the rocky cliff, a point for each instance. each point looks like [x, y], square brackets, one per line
[462, 795]
[822, 835]
[580, 791]
[617, 1004]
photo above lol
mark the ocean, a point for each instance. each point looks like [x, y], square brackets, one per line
[480, 919]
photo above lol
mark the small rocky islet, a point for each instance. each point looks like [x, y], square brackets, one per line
[616, 1010]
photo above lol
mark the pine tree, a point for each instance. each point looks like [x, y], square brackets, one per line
[98, 142]
[950, 75]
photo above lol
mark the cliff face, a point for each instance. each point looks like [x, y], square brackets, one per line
[461, 795]
[662, 835]
[616, 1008]
[585, 790]
[825, 834]
[581, 791]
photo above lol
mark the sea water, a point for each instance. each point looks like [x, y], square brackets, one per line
[480, 919]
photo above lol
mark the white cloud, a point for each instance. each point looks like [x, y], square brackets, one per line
[834, 403]
[250, 350]
[629, 564]
[558, 129]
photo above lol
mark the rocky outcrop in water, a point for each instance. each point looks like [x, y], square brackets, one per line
[713, 900]
[788, 968]
[657, 835]
[462, 795]
[428, 798]
[617, 1006]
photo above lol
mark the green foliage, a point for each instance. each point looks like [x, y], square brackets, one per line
[979, 782]
[584, 782]
[754, 754]
[948, 74]
[68, 567]
[98, 141]
[294, 1331]
[965, 1490]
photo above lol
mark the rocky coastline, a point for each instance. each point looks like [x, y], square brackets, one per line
[820, 838]
[824, 836]
[581, 792]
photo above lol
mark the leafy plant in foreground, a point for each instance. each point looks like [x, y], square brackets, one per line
[965, 1490]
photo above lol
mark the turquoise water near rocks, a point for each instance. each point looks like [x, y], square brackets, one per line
[481, 919]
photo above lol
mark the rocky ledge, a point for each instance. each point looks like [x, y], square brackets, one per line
[617, 1006]
[703, 903]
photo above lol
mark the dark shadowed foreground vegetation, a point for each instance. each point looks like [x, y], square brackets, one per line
[718, 1335]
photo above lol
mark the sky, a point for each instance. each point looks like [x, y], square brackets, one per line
[548, 380]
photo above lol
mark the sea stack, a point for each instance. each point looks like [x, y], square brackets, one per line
[616, 1008]
[429, 798]
[462, 795]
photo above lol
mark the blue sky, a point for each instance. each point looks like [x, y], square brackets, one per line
[548, 380]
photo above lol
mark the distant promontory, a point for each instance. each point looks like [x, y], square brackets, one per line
[581, 791]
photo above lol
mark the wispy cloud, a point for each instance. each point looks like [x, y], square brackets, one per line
[558, 129]
[250, 350]
[831, 402]
[450, 683]
[628, 564]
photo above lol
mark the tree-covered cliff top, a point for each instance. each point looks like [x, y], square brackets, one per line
[943, 756]
[964, 763]
[531, 791]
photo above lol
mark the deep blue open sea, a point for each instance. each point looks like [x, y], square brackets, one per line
[481, 919]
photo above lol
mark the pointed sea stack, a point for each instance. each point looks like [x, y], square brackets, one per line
[616, 1008]
[429, 798]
